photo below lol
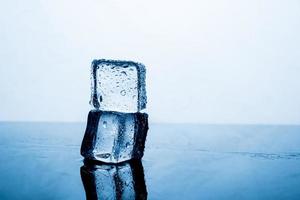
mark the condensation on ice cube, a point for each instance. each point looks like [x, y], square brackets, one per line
[118, 86]
[122, 181]
[114, 137]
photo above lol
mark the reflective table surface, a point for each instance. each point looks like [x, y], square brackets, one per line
[181, 161]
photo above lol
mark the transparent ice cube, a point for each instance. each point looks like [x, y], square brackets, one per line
[114, 137]
[118, 86]
[123, 181]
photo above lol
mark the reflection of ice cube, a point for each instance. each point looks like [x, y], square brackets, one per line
[118, 86]
[114, 137]
[122, 181]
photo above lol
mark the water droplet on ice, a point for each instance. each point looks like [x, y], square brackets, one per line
[123, 92]
[123, 73]
[104, 124]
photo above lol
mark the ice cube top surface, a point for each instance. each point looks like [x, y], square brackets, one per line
[118, 86]
[113, 137]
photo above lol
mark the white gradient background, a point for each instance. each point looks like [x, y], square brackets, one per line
[213, 61]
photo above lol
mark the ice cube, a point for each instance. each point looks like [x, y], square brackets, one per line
[123, 181]
[114, 137]
[118, 86]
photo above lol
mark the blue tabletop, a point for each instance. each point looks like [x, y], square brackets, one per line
[181, 161]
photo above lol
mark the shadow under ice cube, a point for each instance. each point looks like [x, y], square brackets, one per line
[114, 137]
[118, 86]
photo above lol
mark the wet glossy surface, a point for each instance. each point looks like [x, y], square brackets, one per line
[42, 161]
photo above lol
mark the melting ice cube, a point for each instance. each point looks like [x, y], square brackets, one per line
[118, 86]
[114, 137]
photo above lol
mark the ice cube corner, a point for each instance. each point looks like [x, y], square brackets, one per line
[118, 86]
